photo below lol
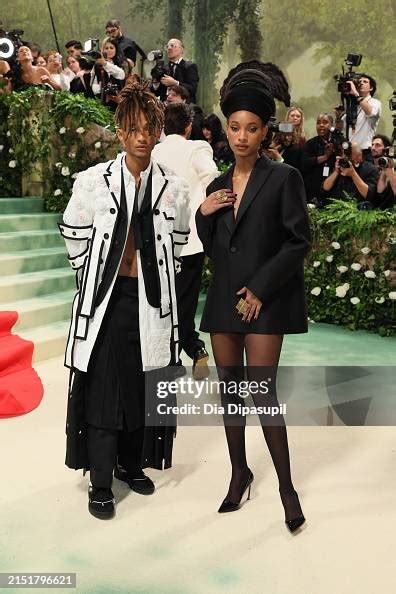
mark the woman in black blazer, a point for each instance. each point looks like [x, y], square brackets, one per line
[254, 227]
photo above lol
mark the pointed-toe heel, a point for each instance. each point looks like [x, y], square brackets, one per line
[230, 506]
[295, 523]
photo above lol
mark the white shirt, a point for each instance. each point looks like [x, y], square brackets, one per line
[366, 125]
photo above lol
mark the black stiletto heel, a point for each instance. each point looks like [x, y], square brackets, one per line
[295, 523]
[230, 506]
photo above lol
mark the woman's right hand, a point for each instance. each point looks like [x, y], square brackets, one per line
[217, 200]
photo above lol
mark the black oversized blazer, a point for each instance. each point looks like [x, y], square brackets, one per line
[263, 249]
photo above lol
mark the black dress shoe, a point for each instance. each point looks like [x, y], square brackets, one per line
[230, 506]
[140, 483]
[200, 368]
[101, 502]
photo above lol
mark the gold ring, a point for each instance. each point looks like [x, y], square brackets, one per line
[221, 196]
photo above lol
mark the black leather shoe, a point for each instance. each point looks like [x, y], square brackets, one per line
[200, 368]
[140, 483]
[230, 506]
[101, 502]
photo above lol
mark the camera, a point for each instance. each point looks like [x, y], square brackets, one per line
[346, 78]
[387, 158]
[91, 49]
[10, 41]
[273, 127]
[337, 139]
[159, 69]
[346, 154]
[110, 90]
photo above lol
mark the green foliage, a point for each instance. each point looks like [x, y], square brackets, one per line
[46, 132]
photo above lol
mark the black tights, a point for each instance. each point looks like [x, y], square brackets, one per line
[262, 351]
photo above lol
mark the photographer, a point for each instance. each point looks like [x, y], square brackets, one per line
[177, 71]
[126, 45]
[318, 158]
[109, 73]
[368, 113]
[283, 150]
[352, 175]
[385, 196]
[82, 82]
[179, 94]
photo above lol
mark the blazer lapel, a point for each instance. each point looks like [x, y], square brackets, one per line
[257, 179]
[112, 177]
[159, 183]
[228, 215]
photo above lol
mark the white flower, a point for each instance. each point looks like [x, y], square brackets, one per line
[341, 290]
[65, 171]
[370, 274]
[342, 269]
[329, 258]
[80, 130]
[8, 133]
[62, 130]
[335, 245]
[327, 286]
[11, 150]
[354, 300]
[392, 295]
[59, 164]
[316, 264]
[12, 164]
[386, 273]
[356, 266]
[57, 192]
[379, 299]
[72, 155]
[98, 145]
[1, 147]
[365, 250]
[311, 206]
[316, 291]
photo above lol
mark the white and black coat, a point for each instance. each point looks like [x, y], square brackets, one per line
[89, 228]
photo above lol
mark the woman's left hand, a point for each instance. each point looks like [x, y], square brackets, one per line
[253, 302]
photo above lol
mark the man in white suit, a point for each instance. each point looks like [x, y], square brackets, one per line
[193, 161]
[124, 227]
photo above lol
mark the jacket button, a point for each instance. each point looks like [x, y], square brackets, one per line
[160, 262]
[112, 210]
[73, 233]
[156, 212]
[73, 263]
[106, 236]
[233, 249]
[159, 237]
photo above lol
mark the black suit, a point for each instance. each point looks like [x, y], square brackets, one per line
[263, 249]
[186, 73]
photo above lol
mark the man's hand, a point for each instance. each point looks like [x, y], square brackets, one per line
[168, 81]
[253, 306]
[273, 153]
[348, 171]
[352, 89]
[329, 149]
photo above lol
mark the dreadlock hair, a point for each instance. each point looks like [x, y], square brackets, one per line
[136, 99]
[254, 85]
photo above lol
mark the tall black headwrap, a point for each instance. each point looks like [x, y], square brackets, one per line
[252, 86]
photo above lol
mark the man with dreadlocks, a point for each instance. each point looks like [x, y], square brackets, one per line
[124, 227]
[254, 227]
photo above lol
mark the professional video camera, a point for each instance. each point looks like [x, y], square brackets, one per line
[159, 69]
[10, 41]
[91, 49]
[344, 81]
[274, 127]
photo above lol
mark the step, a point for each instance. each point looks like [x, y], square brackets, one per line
[33, 261]
[21, 205]
[40, 311]
[34, 284]
[49, 340]
[28, 222]
[17, 241]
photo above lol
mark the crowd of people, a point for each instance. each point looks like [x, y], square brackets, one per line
[328, 169]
